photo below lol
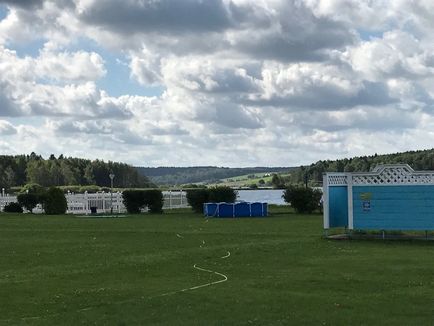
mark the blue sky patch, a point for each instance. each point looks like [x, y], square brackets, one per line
[30, 48]
[3, 11]
[367, 35]
[117, 81]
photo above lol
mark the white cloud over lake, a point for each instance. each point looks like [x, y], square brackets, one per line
[228, 82]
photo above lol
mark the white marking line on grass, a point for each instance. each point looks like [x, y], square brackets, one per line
[227, 255]
[224, 279]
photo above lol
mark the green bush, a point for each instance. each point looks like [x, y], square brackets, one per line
[154, 200]
[33, 188]
[196, 198]
[72, 189]
[303, 200]
[14, 189]
[134, 200]
[29, 201]
[90, 189]
[222, 194]
[13, 208]
[54, 202]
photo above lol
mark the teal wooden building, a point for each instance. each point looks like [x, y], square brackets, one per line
[391, 197]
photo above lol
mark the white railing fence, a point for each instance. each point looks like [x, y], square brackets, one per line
[6, 199]
[103, 202]
[175, 199]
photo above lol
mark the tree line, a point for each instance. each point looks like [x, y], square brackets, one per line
[19, 170]
[418, 160]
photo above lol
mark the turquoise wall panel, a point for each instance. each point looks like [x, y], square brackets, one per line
[393, 207]
[338, 206]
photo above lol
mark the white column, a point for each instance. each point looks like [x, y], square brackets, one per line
[119, 199]
[86, 203]
[325, 203]
[350, 201]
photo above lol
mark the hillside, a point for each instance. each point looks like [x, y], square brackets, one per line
[202, 174]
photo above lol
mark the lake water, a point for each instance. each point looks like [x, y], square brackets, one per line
[270, 196]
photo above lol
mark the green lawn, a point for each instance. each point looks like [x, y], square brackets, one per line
[129, 271]
[246, 180]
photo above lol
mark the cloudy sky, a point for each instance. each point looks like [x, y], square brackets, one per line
[216, 82]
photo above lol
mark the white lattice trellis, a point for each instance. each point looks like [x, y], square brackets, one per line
[396, 174]
[336, 179]
[393, 175]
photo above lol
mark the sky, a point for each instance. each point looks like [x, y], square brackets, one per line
[232, 83]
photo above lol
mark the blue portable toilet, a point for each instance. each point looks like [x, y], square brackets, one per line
[211, 209]
[242, 209]
[257, 209]
[226, 210]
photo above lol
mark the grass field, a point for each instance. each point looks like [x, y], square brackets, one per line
[64, 270]
[247, 180]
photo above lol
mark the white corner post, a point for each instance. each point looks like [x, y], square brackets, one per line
[119, 200]
[325, 201]
[86, 203]
[111, 176]
[350, 201]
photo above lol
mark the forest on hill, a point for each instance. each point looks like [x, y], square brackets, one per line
[22, 169]
[418, 160]
[201, 174]
[64, 171]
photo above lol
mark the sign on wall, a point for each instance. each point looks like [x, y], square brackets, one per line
[366, 201]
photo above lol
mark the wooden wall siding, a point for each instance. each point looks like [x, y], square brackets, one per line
[394, 208]
[338, 206]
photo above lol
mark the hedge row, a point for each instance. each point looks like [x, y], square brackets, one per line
[197, 197]
[53, 201]
[135, 200]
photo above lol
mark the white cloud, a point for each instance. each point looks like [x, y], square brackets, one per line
[396, 55]
[245, 82]
[67, 66]
[6, 128]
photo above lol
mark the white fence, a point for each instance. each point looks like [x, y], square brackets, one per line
[104, 202]
[101, 202]
[6, 199]
[175, 199]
